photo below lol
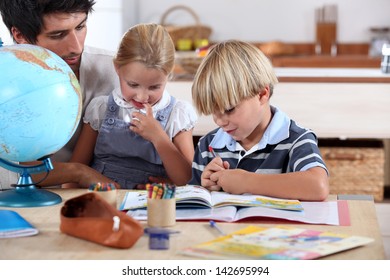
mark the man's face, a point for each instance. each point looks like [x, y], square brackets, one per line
[64, 34]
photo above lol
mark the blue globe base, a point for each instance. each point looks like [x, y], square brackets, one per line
[28, 196]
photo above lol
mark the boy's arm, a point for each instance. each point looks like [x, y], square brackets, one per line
[311, 184]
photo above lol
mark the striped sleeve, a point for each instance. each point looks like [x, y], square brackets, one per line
[201, 158]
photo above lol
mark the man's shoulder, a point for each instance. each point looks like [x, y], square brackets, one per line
[97, 70]
[92, 52]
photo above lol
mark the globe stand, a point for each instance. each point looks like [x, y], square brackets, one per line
[26, 194]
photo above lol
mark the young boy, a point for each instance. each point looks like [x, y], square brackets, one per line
[256, 149]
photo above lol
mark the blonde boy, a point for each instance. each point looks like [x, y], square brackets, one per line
[258, 148]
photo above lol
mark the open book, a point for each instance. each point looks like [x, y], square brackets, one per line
[197, 203]
[327, 213]
[198, 197]
[276, 243]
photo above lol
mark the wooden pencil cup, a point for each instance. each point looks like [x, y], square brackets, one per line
[161, 212]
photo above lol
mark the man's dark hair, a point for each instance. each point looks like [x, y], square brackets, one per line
[26, 15]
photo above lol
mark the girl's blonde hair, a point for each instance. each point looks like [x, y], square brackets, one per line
[231, 72]
[149, 44]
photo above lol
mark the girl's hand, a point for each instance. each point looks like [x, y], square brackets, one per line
[146, 125]
[214, 166]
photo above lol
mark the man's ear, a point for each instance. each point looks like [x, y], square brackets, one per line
[18, 36]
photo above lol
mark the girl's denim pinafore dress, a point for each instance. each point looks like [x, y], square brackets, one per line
[124, 156]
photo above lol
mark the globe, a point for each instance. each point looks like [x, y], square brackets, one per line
[40, 108]
[40, 103]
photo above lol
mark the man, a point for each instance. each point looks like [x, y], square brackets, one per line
[61, 26]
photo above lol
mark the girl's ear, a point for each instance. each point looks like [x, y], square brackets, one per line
[18, 36]
[116, 68]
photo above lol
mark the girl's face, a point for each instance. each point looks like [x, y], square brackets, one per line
[140, 85]
[247, 121]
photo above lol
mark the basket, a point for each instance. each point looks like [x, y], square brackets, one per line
[188, 61]
[355, 170]
[192, 32]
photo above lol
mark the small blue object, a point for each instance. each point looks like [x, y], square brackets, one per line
[213, 224]
[159, 238]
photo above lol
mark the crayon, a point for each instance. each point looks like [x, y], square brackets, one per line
[155, 189]
[159, 192]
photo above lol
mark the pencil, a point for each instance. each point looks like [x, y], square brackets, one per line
[212, 151]
[213, 224]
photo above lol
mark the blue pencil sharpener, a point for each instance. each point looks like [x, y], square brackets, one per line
[159, 238]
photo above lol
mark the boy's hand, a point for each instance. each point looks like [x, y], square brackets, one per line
[230, 180]
[214, 166]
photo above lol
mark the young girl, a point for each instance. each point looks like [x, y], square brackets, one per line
[139, 132]
[256, 149]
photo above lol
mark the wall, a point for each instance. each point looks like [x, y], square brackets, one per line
[105, 26]
[263, 20]
[252, 20]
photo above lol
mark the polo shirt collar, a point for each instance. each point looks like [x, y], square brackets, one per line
[277, 131]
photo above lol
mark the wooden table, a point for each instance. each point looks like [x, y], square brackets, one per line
[51, 244]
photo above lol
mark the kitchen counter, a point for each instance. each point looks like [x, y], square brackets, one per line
[332, 110]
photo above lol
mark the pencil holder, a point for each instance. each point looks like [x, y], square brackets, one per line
[106, 191]
[161, 212]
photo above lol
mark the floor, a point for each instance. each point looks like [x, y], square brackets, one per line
[383, 214]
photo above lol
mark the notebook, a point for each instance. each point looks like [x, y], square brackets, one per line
[14, 225]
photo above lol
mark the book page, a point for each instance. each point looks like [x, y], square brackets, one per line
[192, 196]
[278, 242]
[223, 199]
[225, 214]
[134, 199]
[314, 213]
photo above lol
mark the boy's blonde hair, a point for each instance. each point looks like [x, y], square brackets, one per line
[231, 72]
[149, 44]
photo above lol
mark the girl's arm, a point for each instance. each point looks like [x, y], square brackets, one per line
[176, 155]
[83, 151]
[85, 146]
[311, 184]
[76, 173]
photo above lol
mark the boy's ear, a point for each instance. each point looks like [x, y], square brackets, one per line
[264, 94]
[18, 36]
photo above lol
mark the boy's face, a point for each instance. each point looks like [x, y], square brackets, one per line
[140, 84]
[247, 121]
[64, 34]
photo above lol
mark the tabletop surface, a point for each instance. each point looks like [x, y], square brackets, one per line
[50, 243]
